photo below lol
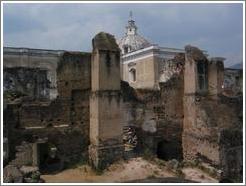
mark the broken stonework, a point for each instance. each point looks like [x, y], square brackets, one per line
[210, 121]
[11, 174]
[28, 169]
[105, 127]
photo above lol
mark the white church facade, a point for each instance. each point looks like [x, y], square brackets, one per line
[144, 64]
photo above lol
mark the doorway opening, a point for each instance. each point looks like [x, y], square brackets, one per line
[168, 150]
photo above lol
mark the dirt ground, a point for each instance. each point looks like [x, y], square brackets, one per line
[124, 171]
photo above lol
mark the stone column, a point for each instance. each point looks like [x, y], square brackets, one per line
[192, 97]
[106, 144]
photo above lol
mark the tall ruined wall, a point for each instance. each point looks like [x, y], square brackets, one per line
[64, 120]
[74, 85]
[211, 121]
[73, 73]
[105, 127]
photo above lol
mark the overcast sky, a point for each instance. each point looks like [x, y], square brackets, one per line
[217, 28]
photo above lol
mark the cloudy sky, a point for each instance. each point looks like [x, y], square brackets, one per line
[217, 28]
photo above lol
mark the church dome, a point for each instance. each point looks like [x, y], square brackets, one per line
[132, 41]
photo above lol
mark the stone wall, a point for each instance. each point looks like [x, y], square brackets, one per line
[233, 82]
[170, 119]
[73, 73]
[231, 154]
[35, 59]
[64, 120]
[31, 82]
[71, 140]
[211, 121]
[156, 116]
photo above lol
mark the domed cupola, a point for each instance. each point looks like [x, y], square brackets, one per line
[132, 41]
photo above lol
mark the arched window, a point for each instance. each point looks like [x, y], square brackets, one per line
[132, 75]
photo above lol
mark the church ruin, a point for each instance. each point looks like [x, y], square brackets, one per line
[120, 101]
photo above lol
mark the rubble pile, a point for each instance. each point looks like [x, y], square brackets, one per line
[129, 138]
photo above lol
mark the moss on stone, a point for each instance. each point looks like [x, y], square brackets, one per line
[105, 41]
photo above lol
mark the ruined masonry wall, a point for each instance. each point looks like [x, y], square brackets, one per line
[64, 120]
[156, 115]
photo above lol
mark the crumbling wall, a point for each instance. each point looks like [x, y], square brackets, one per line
[44, 114]
[170, 67]
[71, 141]
[210, 119]
[34, 59]
[155, 117]
[170, 117]
[233, 82]
[64, 120]
[23, 155]
[210, 122]
[31, 82]
[231, 154]
[73, 73]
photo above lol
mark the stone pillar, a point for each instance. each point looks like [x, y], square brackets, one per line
[106, 132]
[215, 76]
[192, 96]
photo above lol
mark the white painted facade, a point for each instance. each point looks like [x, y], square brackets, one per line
[137, 54]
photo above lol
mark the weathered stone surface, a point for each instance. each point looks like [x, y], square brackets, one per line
[73, 73]
[31, 82]
[11, 174]
[102, 157]
[233, 82]
[194, 53]
[28, 169]
[105, 127]
[33, 59]
[105, 41]
[211, 123]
